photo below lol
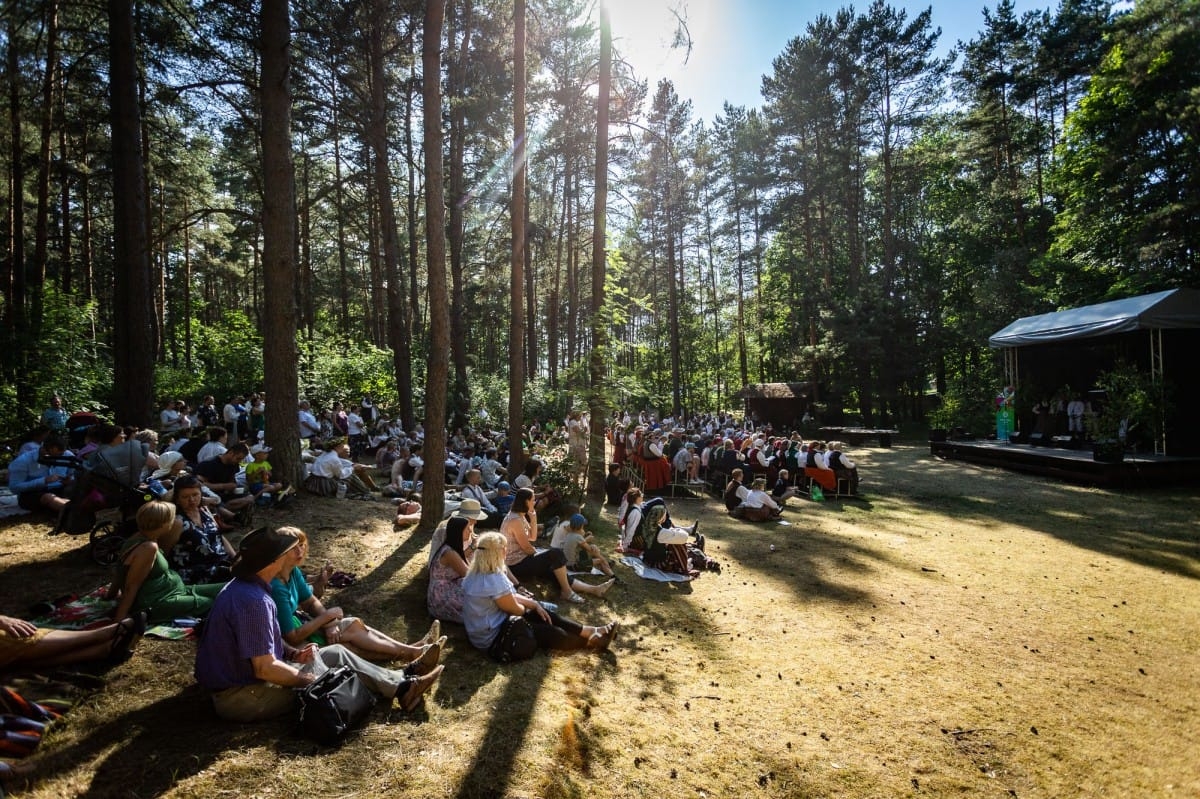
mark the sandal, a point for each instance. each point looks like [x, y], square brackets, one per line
[574, 597]
[600, 641]
[126, 637]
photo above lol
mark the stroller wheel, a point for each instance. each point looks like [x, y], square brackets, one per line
[106, 543]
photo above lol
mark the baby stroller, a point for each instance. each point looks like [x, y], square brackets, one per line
[103, 501]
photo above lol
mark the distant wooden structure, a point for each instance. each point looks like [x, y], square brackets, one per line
[781, 405]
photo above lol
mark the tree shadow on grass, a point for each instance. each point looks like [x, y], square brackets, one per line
[152, 748]
[1152, 528]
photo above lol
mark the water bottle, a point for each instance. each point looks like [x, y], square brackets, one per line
[341, 491]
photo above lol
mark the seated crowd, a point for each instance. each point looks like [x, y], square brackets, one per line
[266, 628]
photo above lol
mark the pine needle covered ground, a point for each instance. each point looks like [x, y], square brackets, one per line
[959, 631]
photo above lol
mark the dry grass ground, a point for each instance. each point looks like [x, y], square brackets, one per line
[958, 632]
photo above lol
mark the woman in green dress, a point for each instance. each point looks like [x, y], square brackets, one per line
[144, 580]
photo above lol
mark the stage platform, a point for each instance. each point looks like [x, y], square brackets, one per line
[1075, 465]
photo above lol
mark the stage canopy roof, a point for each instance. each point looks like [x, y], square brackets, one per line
[1167, 310]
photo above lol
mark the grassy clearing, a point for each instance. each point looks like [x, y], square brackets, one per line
[960, 631]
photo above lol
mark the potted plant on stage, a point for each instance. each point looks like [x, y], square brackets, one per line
[1131, 412]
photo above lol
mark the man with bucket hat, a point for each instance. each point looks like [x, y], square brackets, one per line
[250, 670]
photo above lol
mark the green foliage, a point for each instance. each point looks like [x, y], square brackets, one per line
[1130, 158]
[69, 363]
[179, 382]
[230, 353]
[1134, 406]
[969, 401]
[334, 370]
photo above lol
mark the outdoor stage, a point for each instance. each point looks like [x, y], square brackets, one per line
[1075, 465]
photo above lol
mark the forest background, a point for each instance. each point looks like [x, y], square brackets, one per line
[175, 168]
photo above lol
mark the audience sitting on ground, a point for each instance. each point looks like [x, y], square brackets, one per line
[629, 516]
[449, 556]
[32, 440]
[385, 456]
[492, 470]
[757, 505]
[510, 626]
[28, 647]
[527, 562]
[119, 458]
[144, 580]
[335, 465]
[504, 498]
[36, 484]
[578, 546]
[200, 553]
[734, 492]
[258, 478]
[474, 490]
[302, 618]
[220, 475]
[216, 446]
[543, 496]
[243, 661]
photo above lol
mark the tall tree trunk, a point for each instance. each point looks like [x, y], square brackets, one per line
[279, 243]
[134, 330]
[41, 234]
[438, 370]
[14, 284]
[66, 282]
[516, 335]
[339, 189]
[407, 412]
[456, 90]
[398, 326]
[598, 398]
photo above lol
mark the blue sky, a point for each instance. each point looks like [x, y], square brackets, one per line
[735, 41]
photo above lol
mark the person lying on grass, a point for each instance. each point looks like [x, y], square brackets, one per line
[145, 582]
[25, 646]
[509, 626]
[247, 667]
[302, 618]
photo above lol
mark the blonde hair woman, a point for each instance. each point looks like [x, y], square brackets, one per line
[494, 613]
[323, 625]
[144, 580]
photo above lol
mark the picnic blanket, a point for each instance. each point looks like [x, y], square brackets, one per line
[92, 610]
[648, 573]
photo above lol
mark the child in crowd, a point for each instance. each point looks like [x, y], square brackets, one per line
[577, 544]
[613, 489]
[258, 477]
[504, 498]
